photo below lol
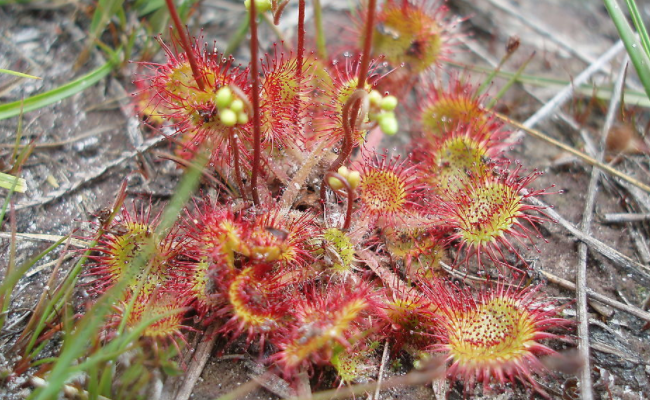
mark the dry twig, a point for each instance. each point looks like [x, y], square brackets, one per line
[589, 160]
[195, 369]
[642, 272]
[637, 312]
[565, 94]
[382, 367]
[586, 392]
[621, 218]
[90, 176]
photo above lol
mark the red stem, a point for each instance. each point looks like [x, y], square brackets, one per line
[300, 56]
[185, 43]
[351, 196]
[235, 154]
[356, 97]
[301, 37]
[367, 43]
[348, 141]
[278, 12]
[257, 145]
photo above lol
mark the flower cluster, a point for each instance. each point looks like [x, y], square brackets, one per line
[309, 281]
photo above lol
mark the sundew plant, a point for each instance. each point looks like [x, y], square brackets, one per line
[293, 236]
[294, 280]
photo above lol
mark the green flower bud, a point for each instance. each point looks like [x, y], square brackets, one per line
[224, 97]
[260, 5]
[388, 124]
[228, 117]
[242, 118]
[375, 98]
[335, 183]
[385, 115]
[237, 105]
[388, 103]
[354, 178]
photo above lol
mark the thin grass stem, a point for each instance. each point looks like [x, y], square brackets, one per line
[510, 82]
[321, 46]
[236, 39]
[589, 160]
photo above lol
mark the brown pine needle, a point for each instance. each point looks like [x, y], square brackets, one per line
[589, 160]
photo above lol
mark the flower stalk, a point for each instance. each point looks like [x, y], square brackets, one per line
[255, 94]
[357, 98]
[351, 195]
[185, 43]
[367, 44]
[235, 153]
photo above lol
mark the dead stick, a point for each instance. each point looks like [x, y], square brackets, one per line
[637, 312]
[640, 270]
[589, 160]
[197, 365]
[382, 367]
[586, 392]
[620, 218]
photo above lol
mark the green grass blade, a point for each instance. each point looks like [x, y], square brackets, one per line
[639, 57]
[106, 380]
[639, 25]
[5, 205]
[121, 343]
[87, 328]
[50, 311]
[104, 11]
[148, 6]
[64, 291]
[11, 279]
[632, 97]
[12, 183]
[7, 201]
[184, 191]
[510, 82]
[237, 38]
[92, 385]
[16, 73]
[45, 99]
[320, 31]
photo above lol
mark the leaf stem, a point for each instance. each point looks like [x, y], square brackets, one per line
[299, 57]
[301, 38]
[185, 43]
